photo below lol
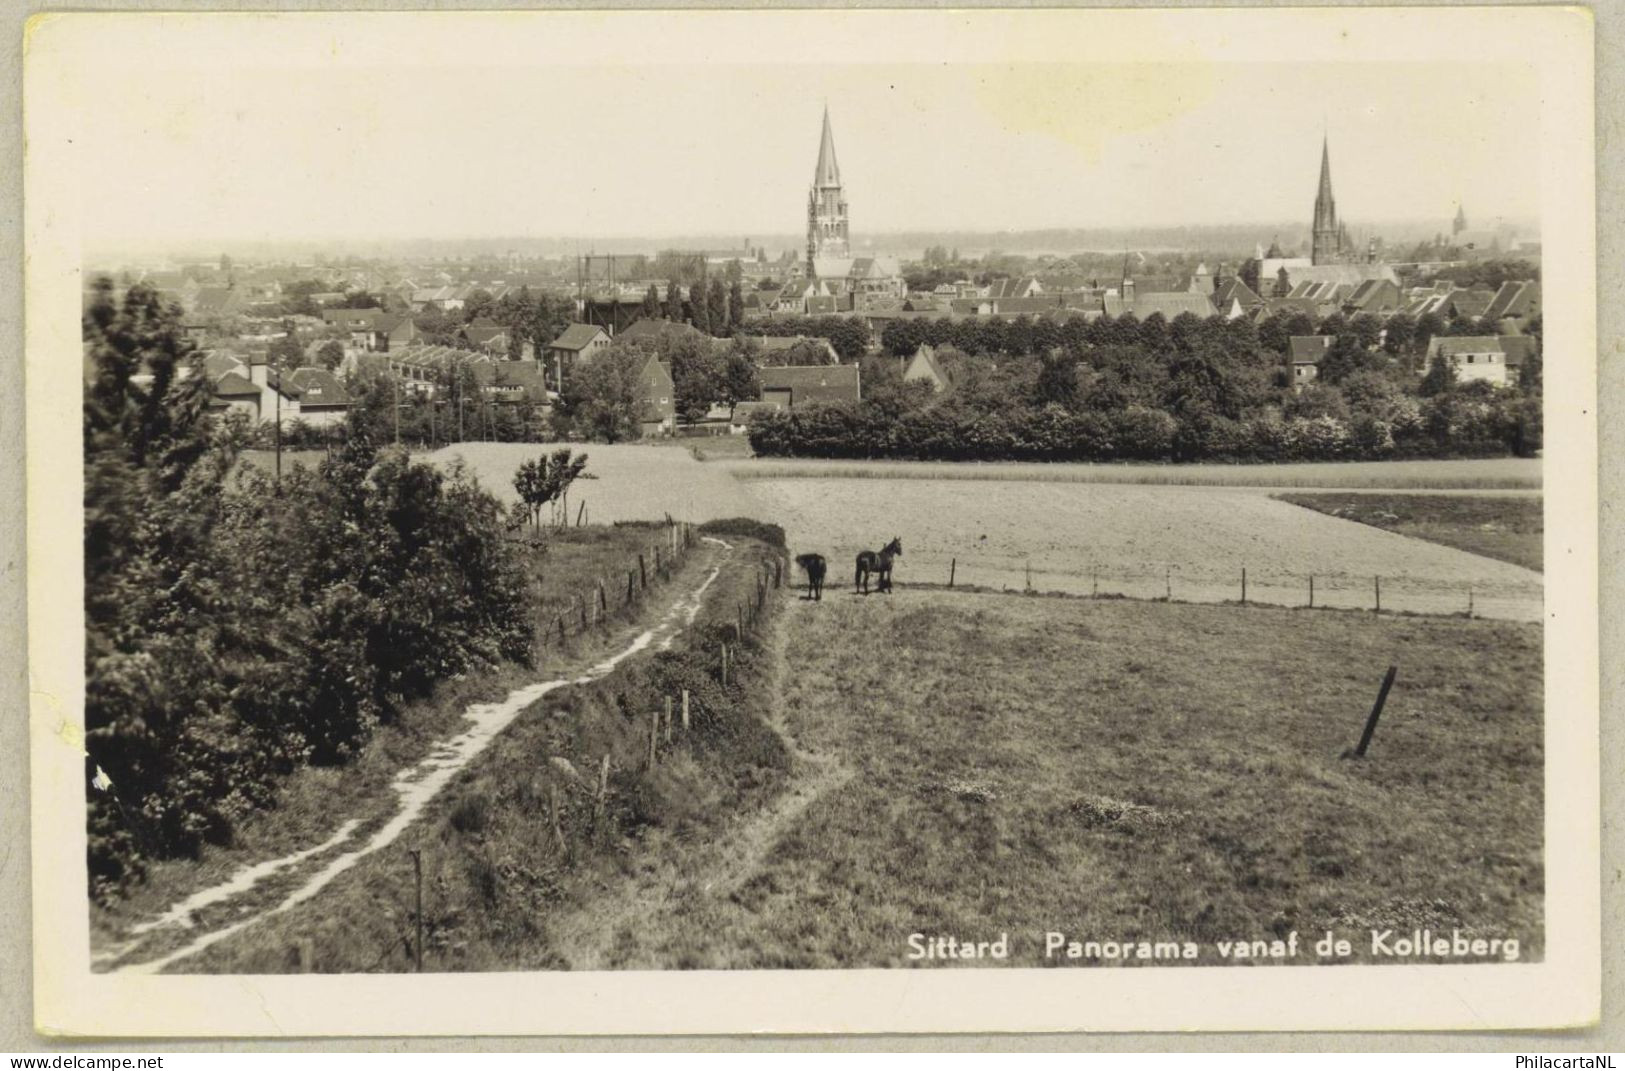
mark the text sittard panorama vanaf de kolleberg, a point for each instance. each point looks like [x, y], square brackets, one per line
[1413, 945]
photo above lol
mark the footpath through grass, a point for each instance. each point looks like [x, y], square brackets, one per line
[1508, 529]
[1122, 772]
[563, 571]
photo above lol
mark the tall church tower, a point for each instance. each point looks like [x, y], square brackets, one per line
[826, 205]
[1327, 242]
[1459, 224]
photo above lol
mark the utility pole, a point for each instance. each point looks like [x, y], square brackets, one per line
[276, 389]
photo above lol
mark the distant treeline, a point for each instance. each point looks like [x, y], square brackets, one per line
[1186, 390]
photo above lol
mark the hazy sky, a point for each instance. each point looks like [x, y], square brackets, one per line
[456, 141]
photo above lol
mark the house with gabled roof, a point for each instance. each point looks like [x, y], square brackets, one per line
[1378, 297]
[1515, 301]
[1303, 356]
[793, 385]
[1474, 357]
[576, 342]
[924, 368]
[1234, 299]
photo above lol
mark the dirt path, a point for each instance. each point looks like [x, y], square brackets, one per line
[721, 866]
[312, 869]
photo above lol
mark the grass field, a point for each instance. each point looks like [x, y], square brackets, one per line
[632, 482]
[1189, 542]
[1508, 473]
[976, 765]
[1506, 528]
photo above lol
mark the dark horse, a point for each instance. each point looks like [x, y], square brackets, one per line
[878, 564]
[816, 568]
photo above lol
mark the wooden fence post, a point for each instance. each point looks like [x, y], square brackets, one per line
[685, 711]
[725, 665]
[629, 586]
[654, 736]
[1244, 585]
[603, 787]
[953, 565]
[553, 814]
[668, 719]
[1469, 602]
[1311, 591]
[603, 600]
[583, 612]
[1377, 587]
[1168, 583]
[580, 512]
[1376, 712]
[417, 878]
[643, 574]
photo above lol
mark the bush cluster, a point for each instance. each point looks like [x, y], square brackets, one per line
[238, 627]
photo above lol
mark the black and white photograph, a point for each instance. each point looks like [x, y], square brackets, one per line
[969, 514]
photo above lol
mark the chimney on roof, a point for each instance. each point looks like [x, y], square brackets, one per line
[259, 370]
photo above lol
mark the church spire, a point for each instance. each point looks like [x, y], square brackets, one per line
[827, 227]
[1326, 235]
[828, 173]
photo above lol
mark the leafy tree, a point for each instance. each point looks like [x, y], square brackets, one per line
[362, 299]
[736, 306]
[547, 479]
[739, 381]
[1399, 333]
[651, 303]
[603, 397]
[696, 373]
[477, 305]
[330, 354]
[285, 353]
[1058, 381]
[674, 302]
[1440, 378]
[699, 310]
[716, 303]
[1367, 328]
[1344, 357]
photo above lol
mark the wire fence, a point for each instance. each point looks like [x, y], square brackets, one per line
[1240, 584]
[596, 604]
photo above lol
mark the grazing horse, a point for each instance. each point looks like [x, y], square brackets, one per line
[816, 568]
[878, 564]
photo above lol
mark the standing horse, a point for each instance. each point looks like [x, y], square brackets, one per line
[878, 564]
[816, 568]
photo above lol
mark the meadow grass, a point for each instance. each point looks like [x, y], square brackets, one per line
[1124, 771]
[1471, 474]
[1509, 529]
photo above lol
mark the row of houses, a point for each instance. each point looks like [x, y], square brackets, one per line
[1495, 359]
[312, 396]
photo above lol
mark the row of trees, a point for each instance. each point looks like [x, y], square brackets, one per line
[1400, 334]
[715, 308]
[239, 626]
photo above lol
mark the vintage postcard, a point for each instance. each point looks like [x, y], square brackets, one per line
[812, 521]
